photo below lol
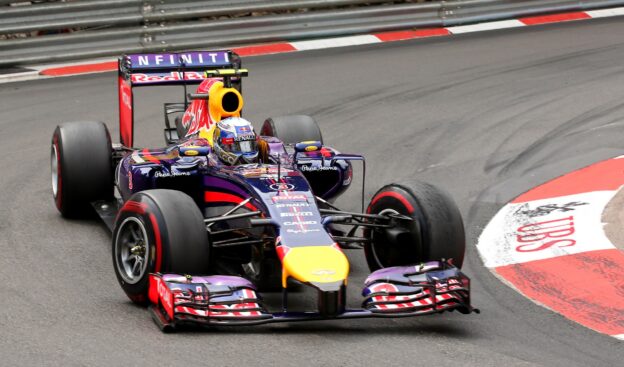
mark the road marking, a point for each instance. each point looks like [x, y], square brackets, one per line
[335, 42]
[549, 245]
[602, 13]
[503, 24]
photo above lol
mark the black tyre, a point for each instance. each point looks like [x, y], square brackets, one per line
[81, 164]
[437, 231]
[158, 231]
[292, 129]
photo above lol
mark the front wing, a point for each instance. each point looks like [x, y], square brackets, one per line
[428, 288]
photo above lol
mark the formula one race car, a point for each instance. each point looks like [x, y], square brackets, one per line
[197, 238]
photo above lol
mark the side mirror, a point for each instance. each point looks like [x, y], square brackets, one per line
[308, 146]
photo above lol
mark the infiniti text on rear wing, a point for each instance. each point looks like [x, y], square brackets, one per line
[181, 68]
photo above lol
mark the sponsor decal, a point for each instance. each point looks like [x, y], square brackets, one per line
[318, 168]
[296, 214]
[141, 78]
[281, 186]
[264, 172]
[300, 231]
[545, 228]
[159, 174]
[543, 210]
[130, 180]
[291, 205]
[542, 235]
[180, 59]
[300, 223]
[243, 129]
[247, 137]
[278, 198]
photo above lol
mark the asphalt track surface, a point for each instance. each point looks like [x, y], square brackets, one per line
[485, 116]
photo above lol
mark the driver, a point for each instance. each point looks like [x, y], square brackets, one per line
[235, 142]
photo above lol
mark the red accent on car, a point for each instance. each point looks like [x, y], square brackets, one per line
[337, 247]
[396, 195]
[126, 115]
[134, 206]
[326, 152]
[221, 197]
[152, 290]
[282, 251]
[159, 291]
[158, 240]
[145, 153]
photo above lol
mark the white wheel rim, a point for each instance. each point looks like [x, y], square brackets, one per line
[132, 250]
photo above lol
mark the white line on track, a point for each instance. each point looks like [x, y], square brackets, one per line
[335, 42]
[602, 13]
[503, 24]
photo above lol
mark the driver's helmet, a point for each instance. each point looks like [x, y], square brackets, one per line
[234, 141]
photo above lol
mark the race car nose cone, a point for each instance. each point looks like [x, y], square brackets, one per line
[316, 265]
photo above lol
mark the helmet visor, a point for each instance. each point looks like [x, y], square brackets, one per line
[231, 145]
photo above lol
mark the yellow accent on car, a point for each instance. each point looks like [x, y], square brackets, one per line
[317, 264]
[226, 72]
[191, 152]
[311, 148]
[223, 102]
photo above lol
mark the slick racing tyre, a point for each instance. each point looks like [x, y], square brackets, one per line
[158, 231]
[436, 231]
[292, 129]
[81, 165]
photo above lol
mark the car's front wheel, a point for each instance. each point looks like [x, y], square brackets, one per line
[432, 228]
[158, 231]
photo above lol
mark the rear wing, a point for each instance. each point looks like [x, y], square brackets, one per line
[180, 68]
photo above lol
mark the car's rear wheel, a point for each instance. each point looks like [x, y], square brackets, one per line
[292, 129]
[158, 231]
[81, 165]
[435, 231]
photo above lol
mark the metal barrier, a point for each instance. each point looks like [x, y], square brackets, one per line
[97, 28]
